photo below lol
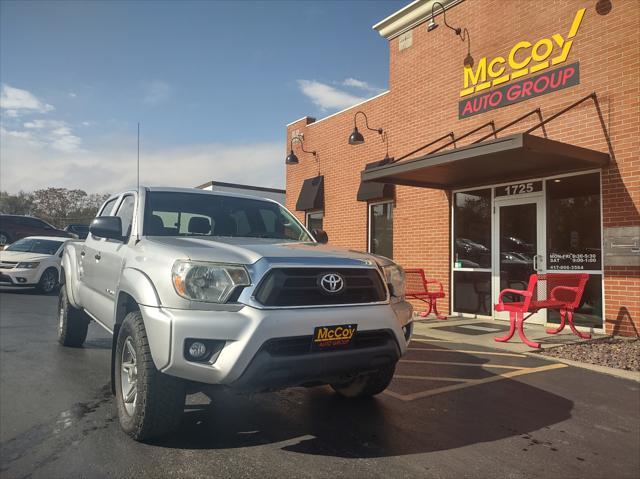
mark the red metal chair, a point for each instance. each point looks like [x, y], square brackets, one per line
[417, 285]
[551, 291]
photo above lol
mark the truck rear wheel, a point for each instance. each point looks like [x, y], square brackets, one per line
[150, 404]
[72, 322]
[366, 385]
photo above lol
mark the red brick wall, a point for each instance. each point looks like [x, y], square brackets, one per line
[425, 81]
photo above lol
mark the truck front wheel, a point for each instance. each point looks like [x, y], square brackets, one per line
[72, 322]
[150, 404]
[366, 385]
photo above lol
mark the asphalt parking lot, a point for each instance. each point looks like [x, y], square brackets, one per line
[453, 410]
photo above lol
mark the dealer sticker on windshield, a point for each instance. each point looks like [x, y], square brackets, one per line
[333, 337]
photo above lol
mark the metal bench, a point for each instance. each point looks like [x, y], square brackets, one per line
[551, 291]
[417, 285]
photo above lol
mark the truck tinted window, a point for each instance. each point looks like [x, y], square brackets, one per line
[196, 214]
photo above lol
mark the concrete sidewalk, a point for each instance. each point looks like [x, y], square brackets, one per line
[481, 332]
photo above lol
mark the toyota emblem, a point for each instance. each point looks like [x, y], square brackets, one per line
[332, 283]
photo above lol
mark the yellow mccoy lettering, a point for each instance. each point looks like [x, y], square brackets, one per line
[326, 334]
[545, 53]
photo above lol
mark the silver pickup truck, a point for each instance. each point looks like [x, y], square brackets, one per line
[201, 288]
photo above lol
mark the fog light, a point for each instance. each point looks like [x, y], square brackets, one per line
[21, 279]
[202, 350]
[197, 350]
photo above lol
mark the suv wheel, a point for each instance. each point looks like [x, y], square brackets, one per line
[366, 385]
[48, 281]
[150, 404]
[72, 322]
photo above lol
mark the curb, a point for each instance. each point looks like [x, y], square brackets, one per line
[620, 373]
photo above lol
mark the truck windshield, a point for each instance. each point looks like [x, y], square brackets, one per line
[200, 214]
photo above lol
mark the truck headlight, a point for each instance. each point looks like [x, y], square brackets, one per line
[394, 276]
[28, 265]
[209, 282]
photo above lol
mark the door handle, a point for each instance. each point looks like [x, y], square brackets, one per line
[535, 262]
[97, 256]
[82, 253]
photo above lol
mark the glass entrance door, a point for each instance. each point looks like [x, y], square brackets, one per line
[519, 248]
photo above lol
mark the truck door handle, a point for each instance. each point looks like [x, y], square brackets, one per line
[97, 256]
[82, 253]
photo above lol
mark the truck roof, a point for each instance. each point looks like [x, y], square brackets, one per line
[171, 189]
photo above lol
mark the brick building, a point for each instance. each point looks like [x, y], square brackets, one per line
[482, 212]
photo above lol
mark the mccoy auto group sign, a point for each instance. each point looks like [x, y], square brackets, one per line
[524, 58]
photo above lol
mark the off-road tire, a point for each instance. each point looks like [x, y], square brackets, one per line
[44, 285]
[368, 384]
[159, 403]
[72, 322]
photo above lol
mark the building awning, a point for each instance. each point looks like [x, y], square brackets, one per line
[311, 195]
[374, 191]
[501, 160]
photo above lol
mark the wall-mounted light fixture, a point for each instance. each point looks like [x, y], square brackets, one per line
[463, 33]
[356, 138]
[292, 159]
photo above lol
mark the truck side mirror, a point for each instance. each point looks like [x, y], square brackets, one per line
[320, 235]
[109, 227]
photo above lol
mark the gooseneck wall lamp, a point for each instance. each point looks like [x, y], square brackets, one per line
[463, 33]
[292, 159]
[356, 138]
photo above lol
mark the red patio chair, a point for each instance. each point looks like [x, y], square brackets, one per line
[552, 291]
[418, 288]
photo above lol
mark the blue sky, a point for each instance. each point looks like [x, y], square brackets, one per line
[213, 84]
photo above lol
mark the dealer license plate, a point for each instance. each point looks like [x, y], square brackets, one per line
[333, 337]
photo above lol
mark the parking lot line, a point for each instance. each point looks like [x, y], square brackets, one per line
[435, 378]
[471, 383]
[486, 353]
[451, 363]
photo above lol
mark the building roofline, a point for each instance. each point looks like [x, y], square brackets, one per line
[244, 187]
[410, 16]
[348, 108]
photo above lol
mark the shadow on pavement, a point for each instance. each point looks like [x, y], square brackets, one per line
[319, 422]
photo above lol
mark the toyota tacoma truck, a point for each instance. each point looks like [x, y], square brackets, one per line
[200, 288]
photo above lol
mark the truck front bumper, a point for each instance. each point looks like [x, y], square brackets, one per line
[247, 361]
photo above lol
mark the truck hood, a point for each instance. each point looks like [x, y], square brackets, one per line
[249, 250]
[18, 256]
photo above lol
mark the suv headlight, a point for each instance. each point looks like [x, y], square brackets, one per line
[394, 276]
[28, 265]
[208, 282]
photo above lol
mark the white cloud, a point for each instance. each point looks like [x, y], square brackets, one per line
[156, 92]
[110, 169]
[328, 97]
[362, 85]
[53, 133]
[73, 94]
[16, 101]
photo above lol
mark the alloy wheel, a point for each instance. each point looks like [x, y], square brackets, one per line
[129, 376]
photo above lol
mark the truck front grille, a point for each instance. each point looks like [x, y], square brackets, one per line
[301, 287]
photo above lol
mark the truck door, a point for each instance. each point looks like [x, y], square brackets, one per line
[109, 258]
[103, 262]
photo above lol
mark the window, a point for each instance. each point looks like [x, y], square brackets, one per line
[125, 212]
[201, 214]
[472, 252]
[108, 206]
[381, 228]
[315, 220]
[573, 223]
[574, 239]
[39, 246]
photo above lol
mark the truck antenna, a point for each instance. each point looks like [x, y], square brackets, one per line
[138, 156]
